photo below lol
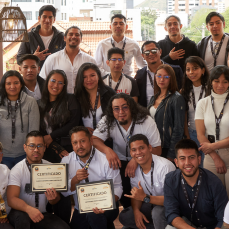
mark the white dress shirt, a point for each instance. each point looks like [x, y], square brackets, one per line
[162, 166]
[88, 121]
[132, 49]
[36, 94]
[98, 170]
[60, 60]
[148, 128]
[226, 214]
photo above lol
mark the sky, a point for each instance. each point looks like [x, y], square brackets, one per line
[136, 2]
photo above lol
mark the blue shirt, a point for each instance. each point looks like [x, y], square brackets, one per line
[211, 202]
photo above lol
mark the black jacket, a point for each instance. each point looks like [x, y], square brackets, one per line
[167, 45]
[57, 43]
[170, 117]
[202, 45]
[141, 78]
[105, 94]
[41, 83]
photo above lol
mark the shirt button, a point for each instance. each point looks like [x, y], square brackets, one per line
[192, 190]
[196, 211]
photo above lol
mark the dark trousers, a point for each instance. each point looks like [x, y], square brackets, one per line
[94, 221]
[6, 226]
[21, 220]
[125, 201]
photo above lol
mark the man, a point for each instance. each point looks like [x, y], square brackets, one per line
[116, 79]
[29, 68]
[29, 209]
[147, 195]
[87, 164]
[151, 52]
[176, 47]
[69, 59]
[212, 49]
[194, 197]
[226, 217]
[124, 118]
[118, 39]
[45, 39]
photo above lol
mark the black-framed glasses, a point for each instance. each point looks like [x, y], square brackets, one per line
[123, 108]
[60, 83]
[153, 51]
[34, 146]
[162, 77]
[115, 59]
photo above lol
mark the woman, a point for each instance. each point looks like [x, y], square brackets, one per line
[19, 114]
[167, 107]
[194, 86]
[92, 94]
[212, 124]
[59, 113]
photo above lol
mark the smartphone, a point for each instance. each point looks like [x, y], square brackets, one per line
[211, 138]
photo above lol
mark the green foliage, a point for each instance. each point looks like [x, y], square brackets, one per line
[226, 17]
[148, 18]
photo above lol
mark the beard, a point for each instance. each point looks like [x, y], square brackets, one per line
[72, 46]
[85, 155]
[123, 122]
[190, 175]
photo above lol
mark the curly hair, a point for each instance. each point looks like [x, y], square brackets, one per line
[138, 113]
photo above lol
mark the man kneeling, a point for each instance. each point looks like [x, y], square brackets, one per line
[147, 197]
[29, 209]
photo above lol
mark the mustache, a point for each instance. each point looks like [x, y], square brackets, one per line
[80, 149]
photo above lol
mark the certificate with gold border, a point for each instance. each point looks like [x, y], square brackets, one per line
[45, 176]
[98, 194]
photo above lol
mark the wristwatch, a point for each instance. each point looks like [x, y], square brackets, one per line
[147, 199]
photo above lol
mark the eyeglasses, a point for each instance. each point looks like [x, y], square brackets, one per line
[124, 108]
[33, 146]
[162, 77]
[153, 51]
[53, 81]
[115, 59]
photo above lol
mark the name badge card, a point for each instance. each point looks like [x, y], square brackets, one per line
[98, 194]
[45, 176]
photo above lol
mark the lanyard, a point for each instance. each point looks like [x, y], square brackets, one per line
[193, 96]
[128, 137]
[152, 168]
[218, 120]
[215, 55]
[150, 79]
[36, 194]
[93, 111]
[13, 116]
[88, 163]
[117, 85]
[196, 194]
[124, 43]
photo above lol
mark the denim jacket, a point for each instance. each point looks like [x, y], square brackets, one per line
[170, 118]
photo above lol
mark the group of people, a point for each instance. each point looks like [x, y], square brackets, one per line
[66, 106]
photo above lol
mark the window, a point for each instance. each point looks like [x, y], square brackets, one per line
[39, 1]
[28, 15]
[21, 0]
[48, 1]
[37, 14]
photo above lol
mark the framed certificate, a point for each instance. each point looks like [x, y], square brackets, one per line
[98, 194]
[45, 176]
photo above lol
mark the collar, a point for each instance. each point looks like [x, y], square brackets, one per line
[65, 53]
[147, 68]
[119, 41]
[76, 157]
[34, 88]
[181, 39]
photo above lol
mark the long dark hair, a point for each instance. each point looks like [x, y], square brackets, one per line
[138, 113]
[80, 92]
[216, 72]
[60, 113]
[3, 94]
[187, 83]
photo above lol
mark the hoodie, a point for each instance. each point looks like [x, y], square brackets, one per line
[30, 121]
[167, 45]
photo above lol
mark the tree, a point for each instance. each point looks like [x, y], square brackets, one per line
[148, 18]
[226, 17]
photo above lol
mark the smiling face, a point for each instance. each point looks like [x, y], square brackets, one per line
[118, 27]
[29, 70]
[90, 79]
[188, 162]
[152, 58]
[73, 38]
[194, 73]
[161, 81]
[140, 152]
[173, 27]
[215, 26]
[46, 19]
[13, 86]
[220, 85]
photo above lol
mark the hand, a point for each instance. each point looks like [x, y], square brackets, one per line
[64, 153]
[206, 147]
[175, 55]
[98, 211]
[35, 215]
[48, 140]
[51, 194]
[130, 168]
[5, 220]
[220, 165]
[1, 156]
[137, 193]
[90, 130]
[81, 174]
[41, 55]
[139, 217]
[113, 159]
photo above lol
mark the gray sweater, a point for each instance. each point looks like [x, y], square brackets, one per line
[31, 121]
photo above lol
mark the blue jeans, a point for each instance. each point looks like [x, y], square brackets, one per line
[193, 136]
[12, 161]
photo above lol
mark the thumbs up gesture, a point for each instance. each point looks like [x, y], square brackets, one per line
[137, 193]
